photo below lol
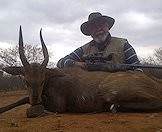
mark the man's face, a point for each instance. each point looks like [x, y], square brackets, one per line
[100, 33]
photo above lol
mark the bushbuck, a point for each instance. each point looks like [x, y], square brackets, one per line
[77, 90]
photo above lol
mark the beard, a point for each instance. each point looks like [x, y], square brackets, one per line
[100, 38]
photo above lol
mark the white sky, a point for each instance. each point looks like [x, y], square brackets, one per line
[139, 21]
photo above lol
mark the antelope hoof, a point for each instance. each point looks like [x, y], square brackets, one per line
[35, 111]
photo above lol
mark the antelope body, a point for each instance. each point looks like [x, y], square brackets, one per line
[77, 90]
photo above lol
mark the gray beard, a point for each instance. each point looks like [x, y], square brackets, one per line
[101, 38]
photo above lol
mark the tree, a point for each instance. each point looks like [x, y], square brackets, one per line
[150, 60]
[156, 59]
[10, 56]
[158, 55]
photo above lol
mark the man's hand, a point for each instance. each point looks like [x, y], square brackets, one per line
[80, 64]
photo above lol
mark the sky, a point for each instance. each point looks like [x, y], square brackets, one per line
[139, 21]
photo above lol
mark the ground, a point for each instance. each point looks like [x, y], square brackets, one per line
[15, 120]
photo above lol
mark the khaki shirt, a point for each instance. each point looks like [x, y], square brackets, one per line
[114, 47]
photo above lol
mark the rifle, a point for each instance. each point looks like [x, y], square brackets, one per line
[109, 67]
[99, 63]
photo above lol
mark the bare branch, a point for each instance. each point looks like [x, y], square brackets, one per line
[10, 56]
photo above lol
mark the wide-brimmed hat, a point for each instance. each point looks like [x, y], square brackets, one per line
[95, 19]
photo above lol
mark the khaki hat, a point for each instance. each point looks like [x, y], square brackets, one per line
[95, 19]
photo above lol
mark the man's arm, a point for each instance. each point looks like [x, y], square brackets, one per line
[71, 59]
[130, 54]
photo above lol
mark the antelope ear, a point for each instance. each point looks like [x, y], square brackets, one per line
[14, 70]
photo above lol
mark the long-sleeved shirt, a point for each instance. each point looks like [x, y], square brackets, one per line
[130, 56]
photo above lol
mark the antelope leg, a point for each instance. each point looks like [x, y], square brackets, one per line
[22, 101]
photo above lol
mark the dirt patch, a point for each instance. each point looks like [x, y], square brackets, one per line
[15, 120]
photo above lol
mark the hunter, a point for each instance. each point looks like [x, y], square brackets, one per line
[98, 27]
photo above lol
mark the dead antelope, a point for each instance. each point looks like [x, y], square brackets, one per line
[77, 90]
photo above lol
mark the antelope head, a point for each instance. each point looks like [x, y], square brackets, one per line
[34, 75]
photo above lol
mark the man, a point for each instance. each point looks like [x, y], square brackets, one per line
[98, 27]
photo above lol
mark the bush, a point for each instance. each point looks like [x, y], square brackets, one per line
[8, 83]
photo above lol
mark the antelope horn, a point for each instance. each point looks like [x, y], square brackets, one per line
[21, 50]
[45, 51]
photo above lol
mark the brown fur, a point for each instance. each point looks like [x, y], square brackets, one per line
[83, 91]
